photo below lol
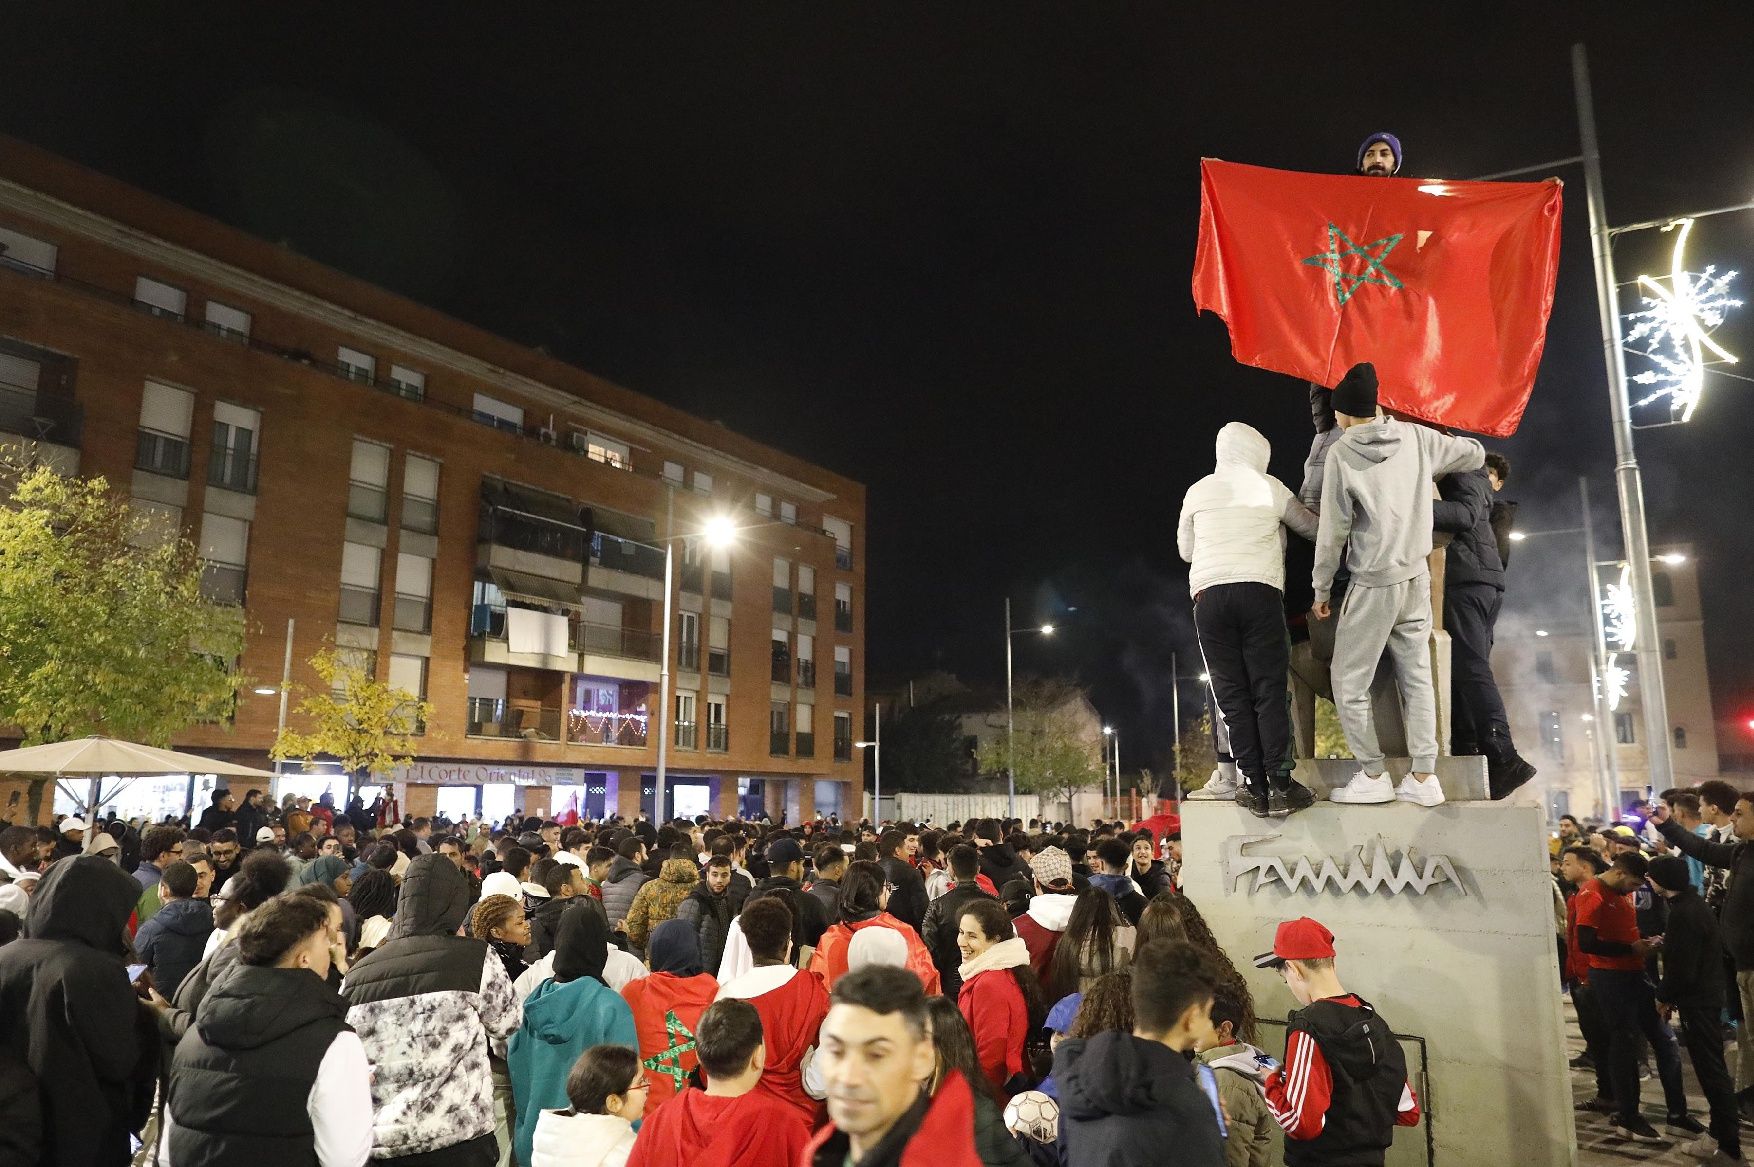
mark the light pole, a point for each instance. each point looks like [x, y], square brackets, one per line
[1010, 712]
[876, 747]
[719, 531]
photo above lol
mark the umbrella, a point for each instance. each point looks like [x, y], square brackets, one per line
[96, 756]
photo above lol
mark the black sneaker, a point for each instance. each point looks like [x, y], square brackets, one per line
[1503, 780]
[1636, 1129]
[1595, 1106]
[1255, 800]
[1583, 1062]
[1683, 1124]
[1288, 800]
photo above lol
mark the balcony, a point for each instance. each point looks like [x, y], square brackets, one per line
[718, 662]
[782, 668]
[688, 655]
[419, 514]
[843, 618]
[806, 745]
[718, 738]
[232, 469]
[843, 558]
[33, 414]
[584, 728]
[722, 585]
[158, 310]
[843, 749]
[494, 717]
[685, 735]
[614, 640]
[222, 583]
[413, 613]
[806, 674]
[806, 605]
[368, 501]
[522, 531]
[359, 606]
[843, 684]
[782, 601]
[160, 453]
[403, 389]
[779, 743]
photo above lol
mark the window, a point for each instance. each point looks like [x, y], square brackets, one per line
[843, 670]
[843, 607]
[368, 481]
[718, 734]
[718, 648]
[782, 586]
[673, 473]
[806, 592]
[408, 673]
[1624, 731]
[1680, 737]
[406, 382]
[703, 482]
[806, 730]
[721, 565]
[159, 522]
[843, 541]
[163, 442]
[843, 736]
[224, 320]
[788, 512]
[23, 253]
[225, 545]
[231, 465]
[420, 478]
[688, 641]
[413, 593]
[1670, 652]
[160, 299]
[764, 505]
[1662, 589]
[609, 452]
[685, 728]
[782, 657]
[806, 661]
[491, 411]
[779, 729]
[364, 660]
[1544, 668]
[355, 365]
[359, 584]
[18, 372]
[1553, 735]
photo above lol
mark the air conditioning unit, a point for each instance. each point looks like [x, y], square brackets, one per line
[578, 442]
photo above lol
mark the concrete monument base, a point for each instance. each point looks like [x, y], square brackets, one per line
[1462, 779]
[1444, 920]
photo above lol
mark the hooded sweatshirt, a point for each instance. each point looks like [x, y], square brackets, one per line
[1233, 521]
[666, 1009]
[1124, 1101]
[1041, 926]
[425, 1004]
[566, 1138]
[564, 1017]
[658, 899]
[1376, 501]
[1251, 1125]
[68, 1012]
[695, 1129]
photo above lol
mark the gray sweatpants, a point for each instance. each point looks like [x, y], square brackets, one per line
[1396, 618]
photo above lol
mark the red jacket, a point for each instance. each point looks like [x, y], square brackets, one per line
[1041, 943]
[694, 1129]
[667, 1050]
[791, 1017]
[998, 1018]
[829, 961]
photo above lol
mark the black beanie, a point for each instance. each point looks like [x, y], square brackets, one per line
[1355, 395]
[1670, 872]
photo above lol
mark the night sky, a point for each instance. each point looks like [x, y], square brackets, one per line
[942, 248]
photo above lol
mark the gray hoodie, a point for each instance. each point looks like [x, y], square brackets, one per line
[1376, 500]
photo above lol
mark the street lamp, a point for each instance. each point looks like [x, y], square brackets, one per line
[1114, 758]
[1010, 711]
[718, 531]
[875, 745]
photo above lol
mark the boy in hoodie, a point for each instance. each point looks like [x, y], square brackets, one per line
[1343, 1089]
[1113, 878]
[730, 1123]
[1232, 534]
[1376, 510]
[1128, 1099]
[172, 941]
[1249, 1135]
[1043, 923]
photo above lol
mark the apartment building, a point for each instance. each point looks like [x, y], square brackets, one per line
[466, 518]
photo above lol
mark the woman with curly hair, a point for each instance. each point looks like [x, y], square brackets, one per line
[500, 921]
[1108, 1005]
[1172, 916]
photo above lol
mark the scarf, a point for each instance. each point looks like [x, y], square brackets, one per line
[510, 954]
[1012, 953]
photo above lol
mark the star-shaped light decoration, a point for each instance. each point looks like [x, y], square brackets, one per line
[1614, 683]
[1620, 613]
[1674, 327]
[1350, 276]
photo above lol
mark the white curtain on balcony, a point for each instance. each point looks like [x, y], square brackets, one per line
[537, 632]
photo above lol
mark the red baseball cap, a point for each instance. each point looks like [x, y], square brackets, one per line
[1299, 939]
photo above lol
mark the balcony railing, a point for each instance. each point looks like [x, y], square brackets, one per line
[782, 669]
[404, 389]
[160, 453]
[368, 501]
[843, 684]
[782, 601]
[718, 738]
[688, 655]
[843, 558]
[419, 514]
[413, 613]
[533, 533]
[806, 745]
[222, 583]
[718, 662]
[494, 717]
[843, 619]
[359, 606]
[618, 554]
[685, 735]
[806, 674]
[779, 743]
[806, 605]
[33, 414]
[232, 469]
[615, 640]
[843, 749]
[605, 729]
[721, 585]
[158, 310]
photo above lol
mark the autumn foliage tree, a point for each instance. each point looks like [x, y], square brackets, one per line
[367, 725]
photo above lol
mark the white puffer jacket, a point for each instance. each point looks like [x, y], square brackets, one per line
[569, 1139]
[1233, 521]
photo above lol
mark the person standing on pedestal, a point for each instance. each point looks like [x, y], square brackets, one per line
[1232, 534]
[1376, 512]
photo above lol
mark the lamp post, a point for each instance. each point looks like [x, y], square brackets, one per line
[719, 531]
[1010, 712]
[876, 747]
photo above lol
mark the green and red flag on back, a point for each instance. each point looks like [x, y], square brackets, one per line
[1445, 287]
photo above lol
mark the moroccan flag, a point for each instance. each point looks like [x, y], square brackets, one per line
[1444, 286]
[666, 1012]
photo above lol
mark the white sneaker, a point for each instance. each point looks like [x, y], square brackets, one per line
[1364, 789]
[1219, 787]
[1704, 1147]
[1426, 793]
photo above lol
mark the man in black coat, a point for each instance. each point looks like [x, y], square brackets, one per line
[1473, 591]
[785, 865]
[68, 1012]
[944, 916]
[1693, 982]
[907, 902]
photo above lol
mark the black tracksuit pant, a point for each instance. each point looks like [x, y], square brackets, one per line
[1248, 657]
[1470, 614]
[1702, 1032]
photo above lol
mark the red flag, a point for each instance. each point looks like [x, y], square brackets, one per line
[1444, 286]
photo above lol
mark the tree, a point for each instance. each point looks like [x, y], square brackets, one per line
[1198, 758]
[103, 627]
[1330, 739]
[923, 750]
[1058, 747]
[356, 718]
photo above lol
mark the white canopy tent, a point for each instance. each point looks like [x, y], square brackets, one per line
[99, 757]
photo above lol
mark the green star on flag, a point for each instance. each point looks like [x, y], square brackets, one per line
[668, 1061]
[1346, 282]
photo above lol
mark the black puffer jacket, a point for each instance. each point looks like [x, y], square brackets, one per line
[1125, 1101]
[1464, 509]
[1001, 864]
[1736, 920]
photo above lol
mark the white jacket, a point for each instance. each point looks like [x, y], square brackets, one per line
[580, 1140]
[1233, 521]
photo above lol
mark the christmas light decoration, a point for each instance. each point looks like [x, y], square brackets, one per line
[1615, 682]
[1620, 613]
[1675, 326]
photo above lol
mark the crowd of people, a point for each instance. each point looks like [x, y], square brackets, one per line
[342, 987]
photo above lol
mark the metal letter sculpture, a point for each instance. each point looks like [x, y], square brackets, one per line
[1372, 869]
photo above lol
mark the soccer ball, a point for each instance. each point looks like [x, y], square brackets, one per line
[1033, 1115]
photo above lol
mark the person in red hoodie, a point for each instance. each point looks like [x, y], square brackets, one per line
[864, 896]
[1000, 996]
[1043, 923]
[792, 1002]
[667, 1006]
[730, 1123]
